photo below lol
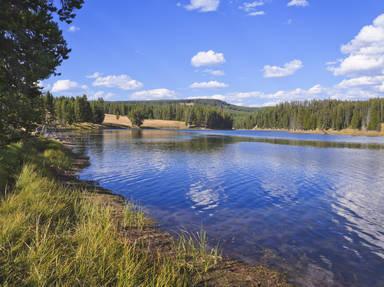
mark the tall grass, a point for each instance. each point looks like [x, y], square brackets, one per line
[54, 235]
[134, 217]
[40, 151]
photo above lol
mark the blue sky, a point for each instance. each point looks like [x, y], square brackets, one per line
[252, 53]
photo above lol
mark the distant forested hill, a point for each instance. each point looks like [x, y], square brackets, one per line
[309, 115]
[216, 114]
[205, 102]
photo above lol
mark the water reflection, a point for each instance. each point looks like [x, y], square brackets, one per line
[313, 209]
[202, 197]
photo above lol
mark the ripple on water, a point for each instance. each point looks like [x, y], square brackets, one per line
[316, 211]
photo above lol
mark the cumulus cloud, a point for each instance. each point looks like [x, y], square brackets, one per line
[213, 97]
[208, 58]
[203, 5]
[155, 94]
[251, 8]
[64, 85]
[356, 89]
[73, 28]
[287, 70]
[258, 98]
[208, 85]
[361, 88]
[123, 82]
[94, 75]
[298, 3]
[364, 53]
[361, 81]
[267, 99]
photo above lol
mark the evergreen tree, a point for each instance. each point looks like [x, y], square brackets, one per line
[137, 117]
[32, 46]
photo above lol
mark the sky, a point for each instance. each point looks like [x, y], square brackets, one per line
[250, 53]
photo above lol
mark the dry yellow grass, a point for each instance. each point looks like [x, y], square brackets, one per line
[124, 121]
[162, 124]
[121, 121]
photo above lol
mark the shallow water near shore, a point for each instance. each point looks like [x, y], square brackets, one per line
[309, 205]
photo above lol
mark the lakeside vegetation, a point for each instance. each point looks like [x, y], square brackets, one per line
[56, 230]
[61, 235]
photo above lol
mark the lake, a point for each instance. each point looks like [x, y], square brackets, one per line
[309, 205]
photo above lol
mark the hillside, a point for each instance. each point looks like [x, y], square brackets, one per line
[189, 102]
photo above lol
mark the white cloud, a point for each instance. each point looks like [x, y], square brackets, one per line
[315, 90]
[251, 8]
[299, 3]
[208, 58]
[155, 94]
[362, 88]
[203, 5]
[208, 85]
[354, 89]
[64, 85]
[365, 53]
[287, 70]
[94, 75]
[213, 97]
[73, 28]
[123, 82]
[361, 81]
[280, 96]
[257, 13]
[101, 94]
[216, 73]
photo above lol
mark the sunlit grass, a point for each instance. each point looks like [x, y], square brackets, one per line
[134, 217]
[57, 159]
[54, 235]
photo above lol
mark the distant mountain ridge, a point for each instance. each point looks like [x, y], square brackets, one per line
[207, 102]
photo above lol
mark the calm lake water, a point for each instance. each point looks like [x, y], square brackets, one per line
[309, 205]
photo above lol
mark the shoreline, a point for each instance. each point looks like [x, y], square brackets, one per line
[345, 132]
[227, 272]
[117, 125]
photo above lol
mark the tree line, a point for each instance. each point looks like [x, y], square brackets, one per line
[308, 115]
[69, 110]
[311, 115]
[194, 115]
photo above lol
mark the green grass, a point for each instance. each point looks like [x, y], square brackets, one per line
[44, 153]
[134, 217]
[54, 235]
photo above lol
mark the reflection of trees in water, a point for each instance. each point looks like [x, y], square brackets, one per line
[206, 143]
[194, 144]
[318, 144]
[178, 141]
[137, 133]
